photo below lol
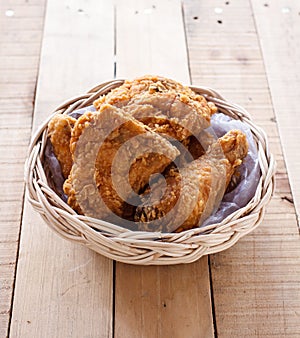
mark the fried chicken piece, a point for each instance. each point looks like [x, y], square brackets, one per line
[114, 157]
[184, 199]
[191, 149]
[59, 131]
[164, 105]
[121, 95]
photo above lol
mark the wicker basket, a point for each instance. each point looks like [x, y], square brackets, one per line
[147, 248]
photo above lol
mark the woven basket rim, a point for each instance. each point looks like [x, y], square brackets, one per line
[146, 248]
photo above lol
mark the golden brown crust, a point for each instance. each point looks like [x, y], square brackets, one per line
[121, 95]
[96, 126]
[150, 105]
[82, 122]
[71, 193]
[208, 176]
[171, 108]
[235, 148]
[59, 131]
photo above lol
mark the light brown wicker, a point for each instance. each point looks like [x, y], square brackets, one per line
[147, 248]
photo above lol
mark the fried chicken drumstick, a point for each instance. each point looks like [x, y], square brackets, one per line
[182, 200]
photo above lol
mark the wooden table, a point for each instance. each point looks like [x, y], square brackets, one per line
[250, 52]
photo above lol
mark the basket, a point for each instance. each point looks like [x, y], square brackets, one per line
[147, 248]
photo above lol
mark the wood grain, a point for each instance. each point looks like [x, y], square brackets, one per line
[151, 39]
[168, 301]
[16, 96]
[63, 289]
[256, 282]
[164, 301]
[281, 50]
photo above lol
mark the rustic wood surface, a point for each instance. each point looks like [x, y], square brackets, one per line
[280, 45]
[249, 51]
[79, 302]
[19, 58]
[157, 295]
[255, 283]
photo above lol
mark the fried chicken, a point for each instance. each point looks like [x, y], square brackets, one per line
[59, 131]
[114, 157]
[185, 198]
[121, 95]
[166, 106]
[156, 122]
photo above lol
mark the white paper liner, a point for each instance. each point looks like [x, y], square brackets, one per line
[249, 171]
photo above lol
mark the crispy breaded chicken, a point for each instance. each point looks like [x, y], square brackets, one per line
[150, 106]
[121, 95]
[184, 199]
[59, 131]
[100, 139]
[164, 105]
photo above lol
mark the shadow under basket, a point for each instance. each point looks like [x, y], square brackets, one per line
[147, 248]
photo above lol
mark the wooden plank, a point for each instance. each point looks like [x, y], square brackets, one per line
[169, 301]
[143, 39]
[15, 128]
[63, 289]
[30, 24]
[163, 301]
[24, 36]
[12, 3]
[90, 50]
[25, 9]
[281, 51]
[256, 283]
[17, 50]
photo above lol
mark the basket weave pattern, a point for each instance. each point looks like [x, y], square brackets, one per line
[147, 248]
